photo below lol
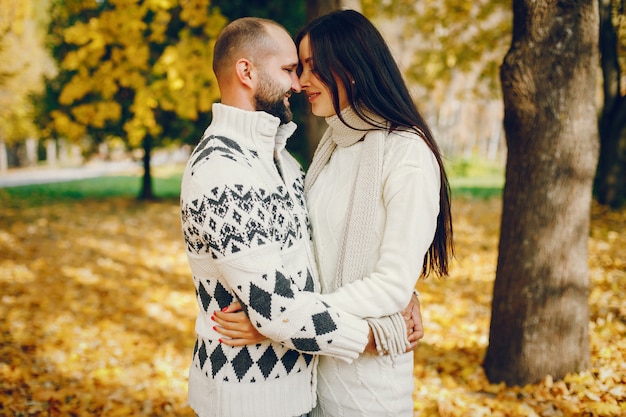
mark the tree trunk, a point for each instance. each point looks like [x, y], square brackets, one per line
[540, 312]
[51, 152]
[146, 184]
[4, 157]
[610, 177]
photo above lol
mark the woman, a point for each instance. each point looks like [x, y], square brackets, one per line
[390, 213]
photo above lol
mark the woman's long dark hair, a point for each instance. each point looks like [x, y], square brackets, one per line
[347, 47]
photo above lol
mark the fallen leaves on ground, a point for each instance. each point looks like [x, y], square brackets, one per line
[97, 313]
[449, 378]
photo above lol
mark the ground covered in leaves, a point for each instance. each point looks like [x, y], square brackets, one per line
[97, 313]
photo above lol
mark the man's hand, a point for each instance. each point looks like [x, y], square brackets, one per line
[233, 323]
[413, 319]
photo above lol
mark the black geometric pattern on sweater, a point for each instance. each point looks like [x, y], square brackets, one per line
[237, 220]
[205, 297]
[241, 226]
[196, 214]
[298, 188]
[223, 297]
[228, 148]
[309, 286]
[268, 361]
[289, 359]
[202, 355]
[323, 323]
[243, 366]
[307, 358]
[282, 286]
[306, 344]
[218, 359]
[260, 301]
[242, 363]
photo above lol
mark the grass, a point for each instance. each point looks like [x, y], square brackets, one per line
[165, 183]
[475, 177]
[468, 178]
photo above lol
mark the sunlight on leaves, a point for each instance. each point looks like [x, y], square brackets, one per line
[97, 312]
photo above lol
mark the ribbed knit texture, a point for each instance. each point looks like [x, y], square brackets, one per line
[389, 332]
[406, 214]
[247, 238]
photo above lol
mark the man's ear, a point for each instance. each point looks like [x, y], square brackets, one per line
[245, 72]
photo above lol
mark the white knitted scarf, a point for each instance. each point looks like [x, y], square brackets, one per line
[353, 264]
[357, 238]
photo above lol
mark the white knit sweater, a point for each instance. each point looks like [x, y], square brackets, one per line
[247, 238]
[372, 386]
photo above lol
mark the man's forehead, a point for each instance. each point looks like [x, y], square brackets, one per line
[285, 53]
[280, 50]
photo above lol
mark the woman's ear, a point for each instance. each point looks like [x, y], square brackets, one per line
[245, 72]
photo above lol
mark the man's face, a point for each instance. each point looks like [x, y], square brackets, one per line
[273, 98]
[278, 78]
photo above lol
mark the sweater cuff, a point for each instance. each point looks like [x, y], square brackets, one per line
[351, 340]
[390, 335]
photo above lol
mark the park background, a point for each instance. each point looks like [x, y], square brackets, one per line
[97, 308]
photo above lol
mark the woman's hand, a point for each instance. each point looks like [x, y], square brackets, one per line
[413, 318]
[234, 324]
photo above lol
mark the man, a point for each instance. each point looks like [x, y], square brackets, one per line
[245, 225]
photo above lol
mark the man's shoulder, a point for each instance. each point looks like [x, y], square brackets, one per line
[214, 147]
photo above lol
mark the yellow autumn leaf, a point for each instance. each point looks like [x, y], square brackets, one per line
[78, 34]
[604, 409]
[113, 332]
[63, 123]
[79, 86]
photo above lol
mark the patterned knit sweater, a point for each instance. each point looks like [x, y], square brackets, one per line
[246, 230]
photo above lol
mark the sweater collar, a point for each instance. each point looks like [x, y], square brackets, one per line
[347, 135]
[254, 129]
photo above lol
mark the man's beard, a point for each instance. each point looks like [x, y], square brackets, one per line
[270, 99]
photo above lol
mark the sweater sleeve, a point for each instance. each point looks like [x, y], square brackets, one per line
[257, 263]
[411, 200]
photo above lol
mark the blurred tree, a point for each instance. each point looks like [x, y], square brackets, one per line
[611, 174]
[137, 70]
[450, 52]
[444, 41]
[540, 312]
[22, 26]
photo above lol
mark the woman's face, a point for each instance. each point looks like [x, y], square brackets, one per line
[317, 92]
